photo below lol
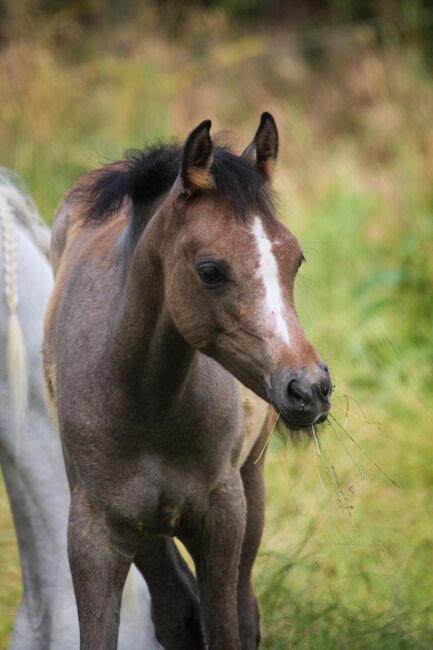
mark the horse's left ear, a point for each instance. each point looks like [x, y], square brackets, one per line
[263, 150]
[197, 160]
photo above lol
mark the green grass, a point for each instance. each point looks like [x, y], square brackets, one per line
[345, 561]
[345, 557]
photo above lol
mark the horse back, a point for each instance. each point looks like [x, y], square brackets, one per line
[74, 243]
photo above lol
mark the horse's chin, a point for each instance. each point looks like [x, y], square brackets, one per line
[287, 429]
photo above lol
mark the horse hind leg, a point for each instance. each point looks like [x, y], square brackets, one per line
[172, 586]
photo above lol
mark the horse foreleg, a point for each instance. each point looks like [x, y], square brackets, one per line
[249, 616]
[99, 562]
[175, 606]
[216, 554]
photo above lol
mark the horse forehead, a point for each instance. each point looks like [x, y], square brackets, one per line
[268, 268]
[216, 227]
[221, 232]
[269, 275]
[277, 256]
[274, 242]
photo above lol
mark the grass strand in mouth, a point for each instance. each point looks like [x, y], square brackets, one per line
[366, 454]
[332, 475]
[348, 452]
[267, 439]
[319, 453]
[363, 417]
[347, 412]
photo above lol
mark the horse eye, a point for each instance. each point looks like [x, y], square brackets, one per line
[209, 273]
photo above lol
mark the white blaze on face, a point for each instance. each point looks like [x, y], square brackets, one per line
[269, 275]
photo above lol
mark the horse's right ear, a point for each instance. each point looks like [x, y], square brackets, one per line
[195, 174]
[263, 149]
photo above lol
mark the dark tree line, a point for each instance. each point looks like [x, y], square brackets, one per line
[408, 19]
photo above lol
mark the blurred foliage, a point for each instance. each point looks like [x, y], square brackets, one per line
[346, 555]
[384, 15]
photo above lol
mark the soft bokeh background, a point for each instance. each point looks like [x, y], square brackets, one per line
[346, 557]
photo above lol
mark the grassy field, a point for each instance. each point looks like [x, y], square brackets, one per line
[346, 556]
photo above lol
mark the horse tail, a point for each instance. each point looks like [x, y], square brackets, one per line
[15, 207]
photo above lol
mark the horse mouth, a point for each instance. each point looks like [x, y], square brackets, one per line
[303, 426]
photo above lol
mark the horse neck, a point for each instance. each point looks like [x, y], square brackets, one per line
[147, 349]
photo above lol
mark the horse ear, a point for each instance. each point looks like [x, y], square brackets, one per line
[263, 150]
[197, 160]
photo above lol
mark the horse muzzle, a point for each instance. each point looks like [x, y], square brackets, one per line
[301, 396]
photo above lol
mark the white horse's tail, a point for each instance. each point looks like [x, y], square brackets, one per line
[15, 207]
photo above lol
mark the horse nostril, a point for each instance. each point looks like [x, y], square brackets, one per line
[294, 389]
[324, 366]
[325, 387]
[297, 394]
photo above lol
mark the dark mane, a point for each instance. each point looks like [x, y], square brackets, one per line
[144, 175]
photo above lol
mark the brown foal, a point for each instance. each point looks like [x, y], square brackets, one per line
[171, 342]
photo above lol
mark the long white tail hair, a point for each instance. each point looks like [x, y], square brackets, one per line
[16, 207]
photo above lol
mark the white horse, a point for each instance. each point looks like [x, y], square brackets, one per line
[30, 450]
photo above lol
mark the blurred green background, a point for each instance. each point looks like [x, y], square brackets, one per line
[346, 556]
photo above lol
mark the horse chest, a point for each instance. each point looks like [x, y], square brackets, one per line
[159, 500]
[168, 493]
